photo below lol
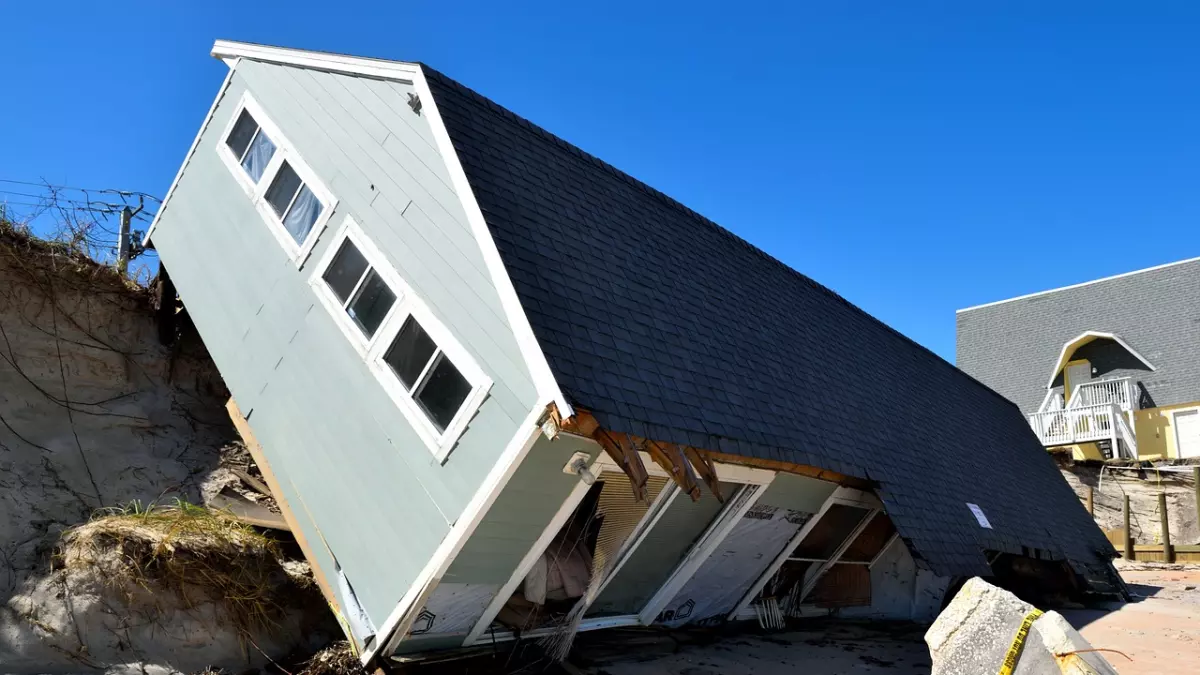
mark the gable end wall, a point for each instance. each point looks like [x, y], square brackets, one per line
[359, 477]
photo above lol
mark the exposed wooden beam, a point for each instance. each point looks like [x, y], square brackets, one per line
[619, 448]
[685, 464]
[582, 424]
[670, 457]
[707, 471]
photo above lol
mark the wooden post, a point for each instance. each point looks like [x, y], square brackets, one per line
[1128, 532]
[1168, 552]
[1091, 500]
[1196, 485]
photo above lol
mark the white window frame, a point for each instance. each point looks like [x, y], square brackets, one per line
[284, 151]
[373, 349]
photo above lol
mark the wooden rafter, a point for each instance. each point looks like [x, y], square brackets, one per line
[685, 464]
[619, 447]
[670, 457]
[708, 472]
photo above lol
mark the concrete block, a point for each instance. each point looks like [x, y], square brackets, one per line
[973, 635]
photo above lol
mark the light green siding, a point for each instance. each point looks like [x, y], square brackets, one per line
[797, 493]
[506, 534]
[521, 512]
[355, 472]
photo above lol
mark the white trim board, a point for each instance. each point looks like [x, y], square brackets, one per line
[1079, 285]
[1061, 362]
[842, 495]
[603, 463]
[714, 536]
[759, 478]
[514, 453]
[256, 192]
[187, 159]
[374, 350]
[535, 359]
[384, 69]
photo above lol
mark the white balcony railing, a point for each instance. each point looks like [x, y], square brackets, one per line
[1086, 424]
[1101, 392]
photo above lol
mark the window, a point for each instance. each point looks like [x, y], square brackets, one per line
[284, 191]
[293, 202]
[251, 145]
[364, 294]
[430, 377]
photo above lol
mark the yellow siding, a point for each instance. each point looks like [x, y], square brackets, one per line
[1081, 451]
[1155, 435]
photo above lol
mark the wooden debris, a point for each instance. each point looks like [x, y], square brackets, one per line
[248, 512]
[253, 482]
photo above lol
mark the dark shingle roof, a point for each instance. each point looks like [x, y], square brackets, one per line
[669, 327]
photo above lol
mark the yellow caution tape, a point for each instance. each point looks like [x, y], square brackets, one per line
[1014, 649]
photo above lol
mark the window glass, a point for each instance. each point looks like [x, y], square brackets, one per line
[443, 393]
[410, 352]
[303, 215]
[345, 271]
[371, 304]
[258, 155]
[283, 189]
[243, 131]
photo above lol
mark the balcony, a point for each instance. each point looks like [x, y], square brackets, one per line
[1097, 411]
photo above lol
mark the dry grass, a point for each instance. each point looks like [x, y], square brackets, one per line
[66, 259]
[198, 554]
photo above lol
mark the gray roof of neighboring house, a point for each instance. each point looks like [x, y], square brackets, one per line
[1013, 345]
[669, 327]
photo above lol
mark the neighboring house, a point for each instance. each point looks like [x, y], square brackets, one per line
[1111, 363]
[496, 382]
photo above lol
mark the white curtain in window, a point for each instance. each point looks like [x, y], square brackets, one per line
[257, 156]
[304, 212]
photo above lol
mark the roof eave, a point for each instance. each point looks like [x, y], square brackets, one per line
[328, 61]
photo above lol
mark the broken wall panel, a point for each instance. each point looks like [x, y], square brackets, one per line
[761, 534]
[656, 557]
[503, 538]
[741, 558]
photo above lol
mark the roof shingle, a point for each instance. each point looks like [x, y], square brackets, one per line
[667, 326]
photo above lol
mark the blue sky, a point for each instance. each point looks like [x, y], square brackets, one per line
[916, 157]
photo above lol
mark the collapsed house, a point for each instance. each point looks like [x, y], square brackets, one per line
[502, 389]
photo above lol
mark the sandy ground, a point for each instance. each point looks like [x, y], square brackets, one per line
[822, 648]
[1160, 633]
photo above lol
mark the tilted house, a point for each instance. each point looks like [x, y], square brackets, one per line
[1105, 368]
[504, 390]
